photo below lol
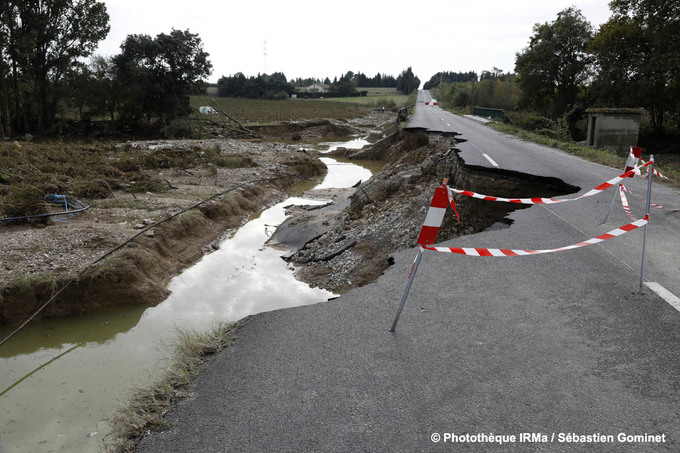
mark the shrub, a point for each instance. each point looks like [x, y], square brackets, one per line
[25, 199]
[529, 121]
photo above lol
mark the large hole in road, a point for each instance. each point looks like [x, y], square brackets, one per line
[386, 213]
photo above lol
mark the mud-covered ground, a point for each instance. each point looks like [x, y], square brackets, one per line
[40, 257]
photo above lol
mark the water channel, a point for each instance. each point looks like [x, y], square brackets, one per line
[60, 379]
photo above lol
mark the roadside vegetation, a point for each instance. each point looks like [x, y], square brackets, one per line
[148, 406]
[667, 163]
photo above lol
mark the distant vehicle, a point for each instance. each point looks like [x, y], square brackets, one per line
[433, 102]
[427, 102]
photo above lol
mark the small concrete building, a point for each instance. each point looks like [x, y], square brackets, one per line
[616, 128]
[317, 87]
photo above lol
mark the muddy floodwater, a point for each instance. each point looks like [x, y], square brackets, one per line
[60, 379]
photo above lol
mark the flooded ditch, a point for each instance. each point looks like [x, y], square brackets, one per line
[61, 378]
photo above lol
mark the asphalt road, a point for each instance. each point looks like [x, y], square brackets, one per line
[553, 345]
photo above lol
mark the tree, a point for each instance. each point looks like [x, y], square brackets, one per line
[345, 85]
[407, 82]
[264, 86]
[106, 85]
[555, 66]
[232, 86]
[449, 77]
[138, 72]
[41, 42]
[637, 52]
[160, 73]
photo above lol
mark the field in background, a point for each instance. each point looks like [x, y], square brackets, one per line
[256, 111]
[379, 97]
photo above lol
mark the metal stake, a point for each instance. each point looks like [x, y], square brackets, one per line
[408, 288]
[644, 239]
[611, 206]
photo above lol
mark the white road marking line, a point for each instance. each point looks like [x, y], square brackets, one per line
[478, 148]
[448, 124]
[665, 294]
[493, 162]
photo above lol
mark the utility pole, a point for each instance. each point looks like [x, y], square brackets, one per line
[265, 56]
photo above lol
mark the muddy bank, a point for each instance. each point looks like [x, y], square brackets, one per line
[385, 214]
[38, 259]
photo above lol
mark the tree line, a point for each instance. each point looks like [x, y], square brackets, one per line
[275, 86]
[43, 77]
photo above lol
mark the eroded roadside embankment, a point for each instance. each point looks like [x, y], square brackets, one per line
[136, 274]
[386, 213]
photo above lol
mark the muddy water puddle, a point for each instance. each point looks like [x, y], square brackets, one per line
[60, 379]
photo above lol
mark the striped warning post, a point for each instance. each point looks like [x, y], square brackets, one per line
[435, 215]
[601, 188]
[513, 252]
[633, 158]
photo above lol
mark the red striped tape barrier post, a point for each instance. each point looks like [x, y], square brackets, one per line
[435, 215]
[427, 236]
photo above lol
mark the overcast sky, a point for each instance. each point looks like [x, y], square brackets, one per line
[327, 39]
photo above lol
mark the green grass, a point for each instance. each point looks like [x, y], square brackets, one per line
[377, 97]
[257, 111]
[374, 101]
[667, 164]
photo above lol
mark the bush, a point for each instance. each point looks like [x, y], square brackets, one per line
[25, 199]
[91, 188]
[529, 121]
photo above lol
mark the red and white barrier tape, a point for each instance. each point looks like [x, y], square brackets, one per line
[513, 252]
[654, 170]
[651, 204]
[449, 192]
[624, 202]
[601, 188]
